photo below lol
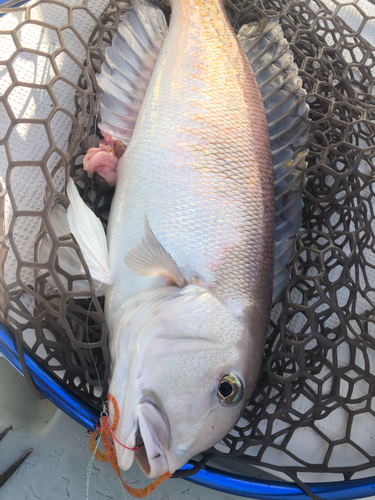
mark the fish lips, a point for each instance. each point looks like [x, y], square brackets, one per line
[152, 430]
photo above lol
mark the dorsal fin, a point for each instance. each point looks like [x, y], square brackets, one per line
[128, 67]
[149, 258]
[287, 113]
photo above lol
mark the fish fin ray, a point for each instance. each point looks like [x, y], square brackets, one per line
[153, 20]
[287, 114]
[128, 67]
[68, 258]
[149, 258]
[90, 236]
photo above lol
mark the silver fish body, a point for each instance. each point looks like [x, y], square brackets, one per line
[199, 167]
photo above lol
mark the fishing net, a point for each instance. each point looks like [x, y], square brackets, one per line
[313, 409]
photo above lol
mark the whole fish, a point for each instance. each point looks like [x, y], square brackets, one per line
[188, 326]
[187, 263]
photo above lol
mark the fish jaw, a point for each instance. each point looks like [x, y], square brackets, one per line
[156, 437]
[151, 439]
[148, 442]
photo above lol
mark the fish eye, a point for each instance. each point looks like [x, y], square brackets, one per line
[230, 390]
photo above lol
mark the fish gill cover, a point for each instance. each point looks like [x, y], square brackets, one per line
[318, 375]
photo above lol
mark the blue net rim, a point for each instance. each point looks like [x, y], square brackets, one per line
[209, 477]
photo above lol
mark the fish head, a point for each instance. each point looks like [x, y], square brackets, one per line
[187, 382]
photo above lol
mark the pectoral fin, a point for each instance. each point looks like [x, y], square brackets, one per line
[149, 258]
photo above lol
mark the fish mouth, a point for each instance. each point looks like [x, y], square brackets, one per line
[153, 431]
[152, 435]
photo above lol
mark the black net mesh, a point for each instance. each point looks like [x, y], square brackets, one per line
[315, 393]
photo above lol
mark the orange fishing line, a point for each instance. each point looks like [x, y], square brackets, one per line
[106, 433]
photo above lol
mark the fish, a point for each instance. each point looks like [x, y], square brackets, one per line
[215, 128]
